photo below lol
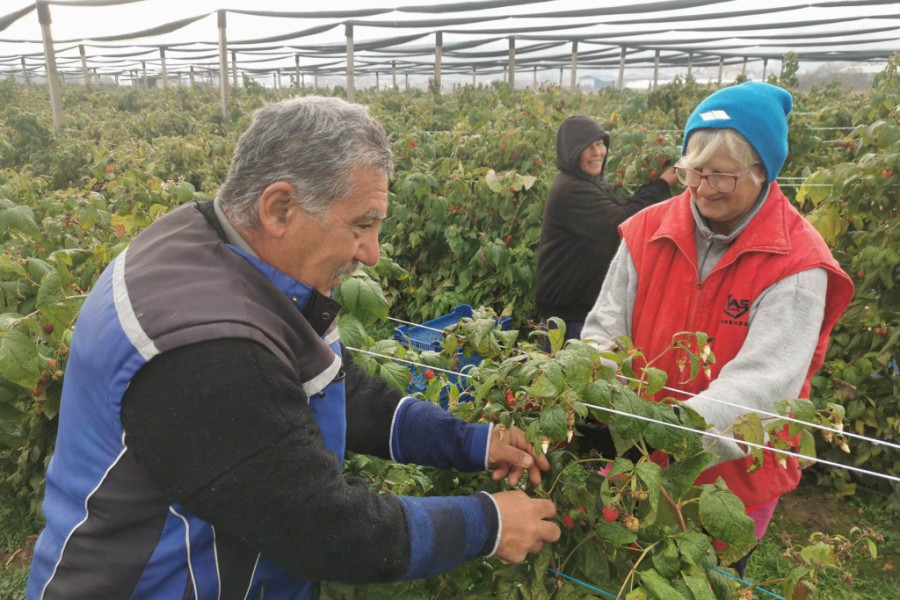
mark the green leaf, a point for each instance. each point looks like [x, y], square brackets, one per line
[693, 546]
[395, 374]
[697, 582]
[19, 360]
[553, 423]
[656, 380]
[725, 518]
[665, 560]
[679, 477]
[493, 182]
[352, 332]
[659, 587]
[543, 388]
[17, 218]
[615, 534]
[651, 475]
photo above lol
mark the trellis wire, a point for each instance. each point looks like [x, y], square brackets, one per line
[673, 425]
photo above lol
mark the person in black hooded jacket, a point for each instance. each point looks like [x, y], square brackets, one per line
[579, 233]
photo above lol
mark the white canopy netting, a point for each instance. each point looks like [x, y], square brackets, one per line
[129, 38]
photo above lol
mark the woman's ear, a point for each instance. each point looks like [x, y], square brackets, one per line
[276, 209]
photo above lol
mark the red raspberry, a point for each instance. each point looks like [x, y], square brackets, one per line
[610, 513]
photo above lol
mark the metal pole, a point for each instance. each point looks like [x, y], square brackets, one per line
[95, 76]
[474, 76]
[765, 66]
[744, 68]
[165, 73]
[656, 71]
[25, 71]
[394, 75]
[297, 71]
[192, 75]
[622, 68]
[116, 77]
[406, 82]
[351, 88]
[721, 69]
[223, 64]
[512, 62]
[690, 64]
[234, 81]
[84, 67]
[534, 78]
[560, 77]
[43, 10]
[144, 68]
[574, 83]
[438, 44]
[315, 78]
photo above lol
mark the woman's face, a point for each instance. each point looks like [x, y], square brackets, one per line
[724, 210]
[592, 157]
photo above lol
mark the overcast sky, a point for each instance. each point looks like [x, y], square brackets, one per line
[89, 22]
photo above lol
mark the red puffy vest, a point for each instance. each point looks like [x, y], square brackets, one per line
[778, 242]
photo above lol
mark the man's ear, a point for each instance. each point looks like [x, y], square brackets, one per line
[276, 207]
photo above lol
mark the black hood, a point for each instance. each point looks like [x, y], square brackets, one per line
[574, 135]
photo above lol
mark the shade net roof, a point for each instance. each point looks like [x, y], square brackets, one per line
[120, 36]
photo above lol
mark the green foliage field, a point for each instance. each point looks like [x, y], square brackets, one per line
[472, 171]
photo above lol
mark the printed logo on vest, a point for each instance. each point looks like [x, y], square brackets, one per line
[735, 308]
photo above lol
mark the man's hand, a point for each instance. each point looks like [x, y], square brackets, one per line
[524, 525]
[509, 455]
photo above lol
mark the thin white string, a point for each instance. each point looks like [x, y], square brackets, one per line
[418, 325]
[759, 411]
[706, 433]
[750, 444]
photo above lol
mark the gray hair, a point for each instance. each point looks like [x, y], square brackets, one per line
[704, 144]
[313, 143]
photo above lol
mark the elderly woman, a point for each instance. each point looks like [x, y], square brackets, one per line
[731, 257]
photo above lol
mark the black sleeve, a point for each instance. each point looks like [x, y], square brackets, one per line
[371, 403]
[224, 428]
[592, 207]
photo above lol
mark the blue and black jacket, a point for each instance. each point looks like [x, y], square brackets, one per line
[206, 412]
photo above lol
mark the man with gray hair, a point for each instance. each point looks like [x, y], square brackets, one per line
[208, 405]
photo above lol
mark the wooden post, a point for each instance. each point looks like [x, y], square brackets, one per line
[656, 71]
[25, 75]
[43, 10]
[690, 64]
[765, 66]
[84, 67]
[394, 75]
[351, 88]
[438, 45]
[574, 82]
[192, 76]
[512, 62]
[721, 69]
[223, 64]
[297, 74]
[234, 79]
[622, 68]
[165, 73]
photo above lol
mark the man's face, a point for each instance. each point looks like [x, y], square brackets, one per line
[318, 252]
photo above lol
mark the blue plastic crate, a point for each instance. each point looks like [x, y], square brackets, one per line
[422, 339]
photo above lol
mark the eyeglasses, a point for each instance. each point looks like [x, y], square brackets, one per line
[721, 182]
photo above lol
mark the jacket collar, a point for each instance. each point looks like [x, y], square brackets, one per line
[765, 229]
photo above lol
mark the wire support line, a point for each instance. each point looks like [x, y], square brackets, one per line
[418, 325]
[765, 413]
[849, 434]
[672, 425]
[726, 438]
[606, 594]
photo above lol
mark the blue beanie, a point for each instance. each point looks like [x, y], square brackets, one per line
[758, 111]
